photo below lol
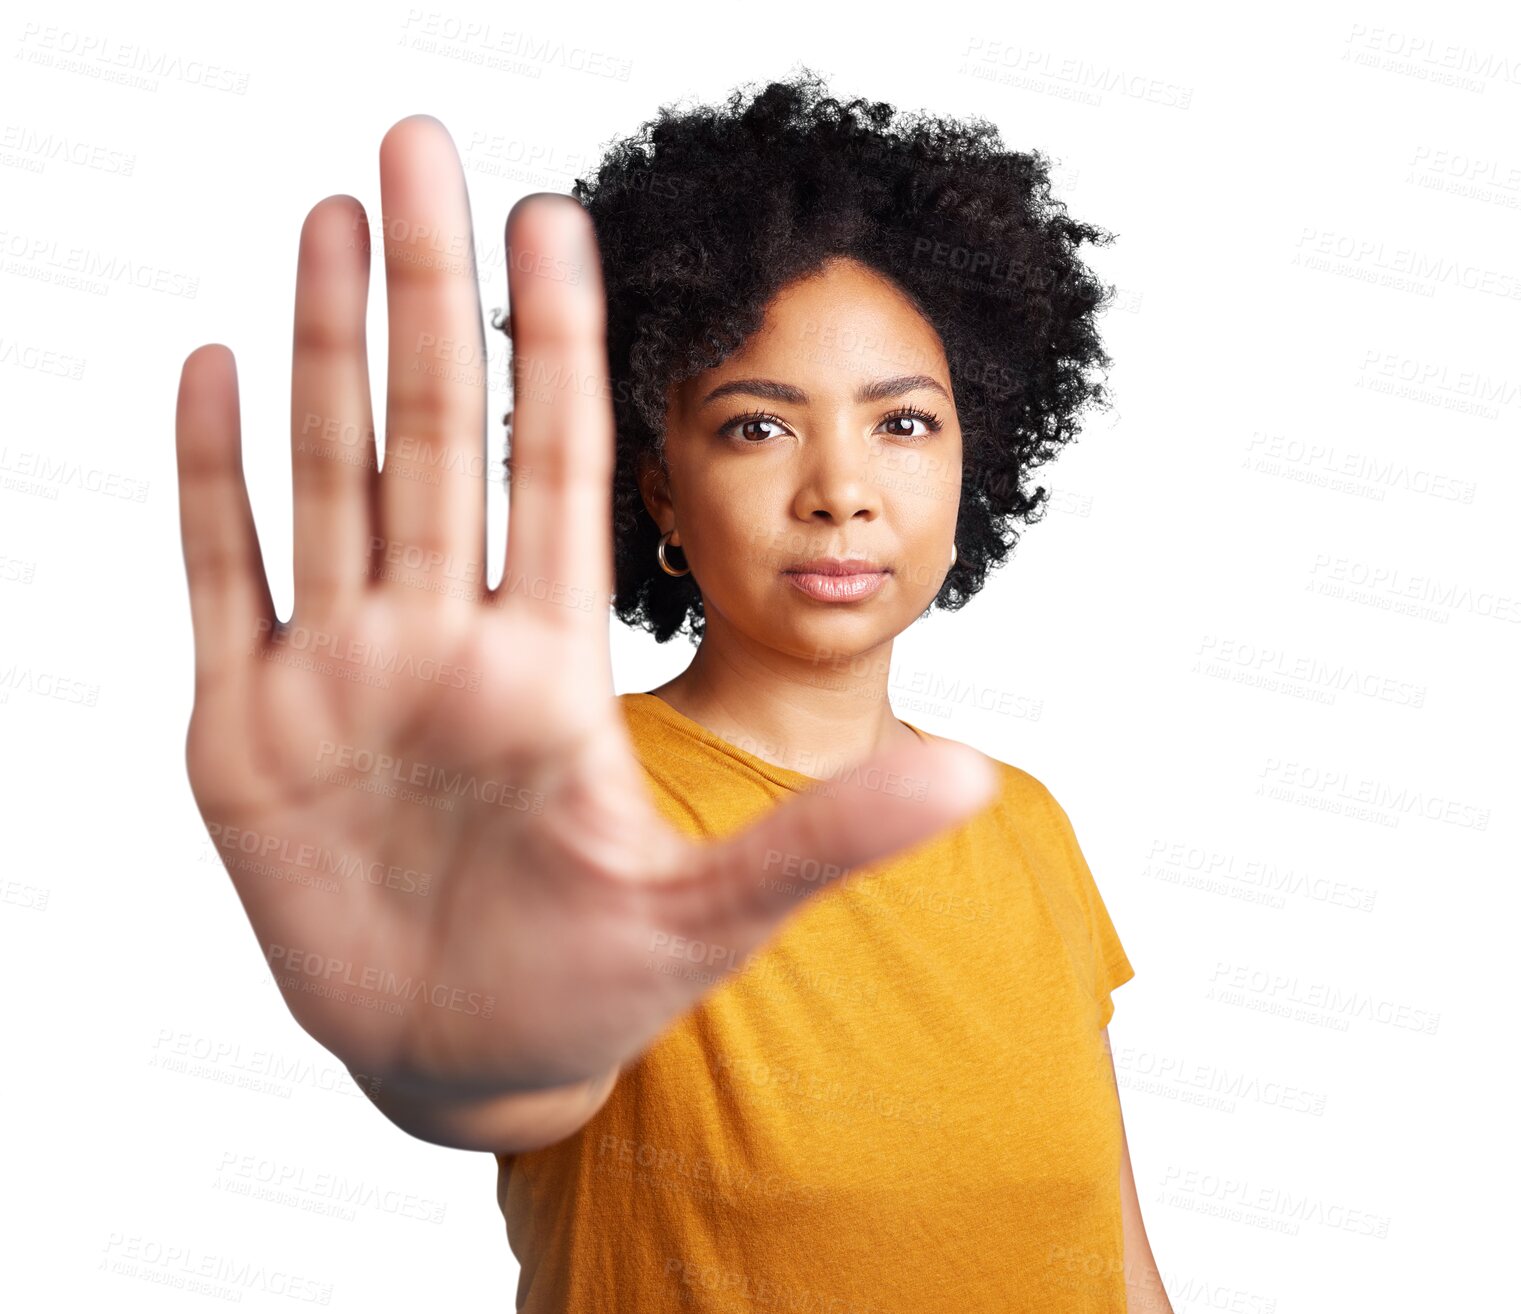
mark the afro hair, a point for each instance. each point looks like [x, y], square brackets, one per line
[704, 214]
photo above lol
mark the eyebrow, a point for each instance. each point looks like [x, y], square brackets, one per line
[877, 390]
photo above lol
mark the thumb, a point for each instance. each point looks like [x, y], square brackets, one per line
[871, 810]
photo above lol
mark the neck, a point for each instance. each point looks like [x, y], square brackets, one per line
[813, 716]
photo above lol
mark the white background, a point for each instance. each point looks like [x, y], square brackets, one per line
[1263, 648]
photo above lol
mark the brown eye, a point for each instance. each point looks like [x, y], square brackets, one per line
[745, 424]
[747, 430]
[910, 416]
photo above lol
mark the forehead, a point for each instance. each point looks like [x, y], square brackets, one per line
[834, 328]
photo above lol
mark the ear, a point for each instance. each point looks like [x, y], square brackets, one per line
[655, 489]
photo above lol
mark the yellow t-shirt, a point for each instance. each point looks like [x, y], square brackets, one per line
[901, 1104]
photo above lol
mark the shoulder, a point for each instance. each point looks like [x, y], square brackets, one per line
[1019, 789]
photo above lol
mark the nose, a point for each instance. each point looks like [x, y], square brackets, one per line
[836, 483]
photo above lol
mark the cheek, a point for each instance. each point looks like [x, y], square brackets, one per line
[923, 509]
[922, 502]
[918, 482]
[743, 525]
[929, 481]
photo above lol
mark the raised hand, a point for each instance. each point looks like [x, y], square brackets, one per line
[422, 788]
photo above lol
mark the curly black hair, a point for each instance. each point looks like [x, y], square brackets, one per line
[704, 214]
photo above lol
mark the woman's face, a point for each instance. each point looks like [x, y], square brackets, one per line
[831, 433]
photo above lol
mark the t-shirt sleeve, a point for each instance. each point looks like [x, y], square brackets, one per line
[1111, 964]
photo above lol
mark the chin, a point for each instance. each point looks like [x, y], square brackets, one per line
[825, 634]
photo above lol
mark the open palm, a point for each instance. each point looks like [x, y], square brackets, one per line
[423, 788]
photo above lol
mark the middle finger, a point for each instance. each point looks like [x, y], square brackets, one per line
[432, 486]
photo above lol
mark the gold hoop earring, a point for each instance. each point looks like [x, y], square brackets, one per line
[955, 555]
[660, 552]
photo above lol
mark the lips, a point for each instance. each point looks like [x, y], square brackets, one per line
[832, 579]
[836, 566]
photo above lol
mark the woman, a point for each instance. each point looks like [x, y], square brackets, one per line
[579, 931]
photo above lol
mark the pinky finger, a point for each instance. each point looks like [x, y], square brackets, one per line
[231, 610]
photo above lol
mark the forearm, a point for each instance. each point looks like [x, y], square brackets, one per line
[1145, 1293]
[502, 1124]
